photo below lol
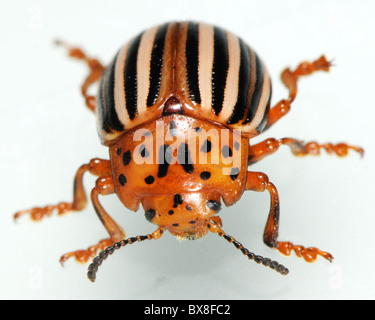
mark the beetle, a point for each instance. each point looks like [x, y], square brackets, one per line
[177, 108]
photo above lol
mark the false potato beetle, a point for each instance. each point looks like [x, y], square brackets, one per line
[177, 108]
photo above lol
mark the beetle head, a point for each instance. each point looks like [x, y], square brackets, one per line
[183, 215]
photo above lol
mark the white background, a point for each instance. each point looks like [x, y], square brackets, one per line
[47, 133]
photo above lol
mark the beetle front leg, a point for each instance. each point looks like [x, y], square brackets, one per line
[290, 78]
[96, 70]
[104, 186]
[96, 167]
[269, 146]
[257, 181]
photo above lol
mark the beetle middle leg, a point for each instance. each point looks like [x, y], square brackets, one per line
[269, 146]
[290, 78]
[96, 70]
[257, 181]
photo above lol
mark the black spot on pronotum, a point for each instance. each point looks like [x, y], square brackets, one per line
[183, 156]
[172, 128]
[122, 179]
[150, 214]
[143, 151]
[234, 173]
[178, 199]
[150, 179]
[119, 150]
[226, 152]
[214, 205]
[165, 158]
[126, 158]
[205, 175]
[206, 147]
[197, 129]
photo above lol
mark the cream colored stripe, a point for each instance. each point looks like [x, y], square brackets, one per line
[143, 68]
[263, 101]
[206, 58]
[231, 88]
[120, 98]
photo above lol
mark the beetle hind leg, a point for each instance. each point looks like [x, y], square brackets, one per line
[96, 70]
[257, 181]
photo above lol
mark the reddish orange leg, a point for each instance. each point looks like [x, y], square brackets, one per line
[104, 186]
[257, 181]
[96, 167]
[96, 70]
[290, 78]
[82, 256]
[267, 147]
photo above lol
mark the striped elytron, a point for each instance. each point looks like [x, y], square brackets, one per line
[177, 107]
[212, 73]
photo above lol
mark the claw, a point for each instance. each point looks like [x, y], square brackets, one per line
[309, 254]
[37, 214]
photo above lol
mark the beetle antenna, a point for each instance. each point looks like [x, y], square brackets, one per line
[98, 260]
[274, 265]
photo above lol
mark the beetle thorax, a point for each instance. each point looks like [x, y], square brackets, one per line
[178, 157]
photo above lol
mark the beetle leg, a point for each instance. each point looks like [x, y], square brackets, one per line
[82, 256]
[269, 146]
[104, 186]
[290, 78]
[96, 70]
[257, 181]
[96, 167]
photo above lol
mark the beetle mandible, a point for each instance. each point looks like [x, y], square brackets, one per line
[177, 108]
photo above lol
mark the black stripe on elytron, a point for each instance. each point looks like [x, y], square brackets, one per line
[102, 104]
[130, 77]
[262, 125]
[243, 85]
[219, 69]
[192, 54]
[156, 64]
[258, 88]
[113, 119]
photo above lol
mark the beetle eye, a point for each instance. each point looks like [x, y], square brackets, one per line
[214, 205]
[150, 214]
